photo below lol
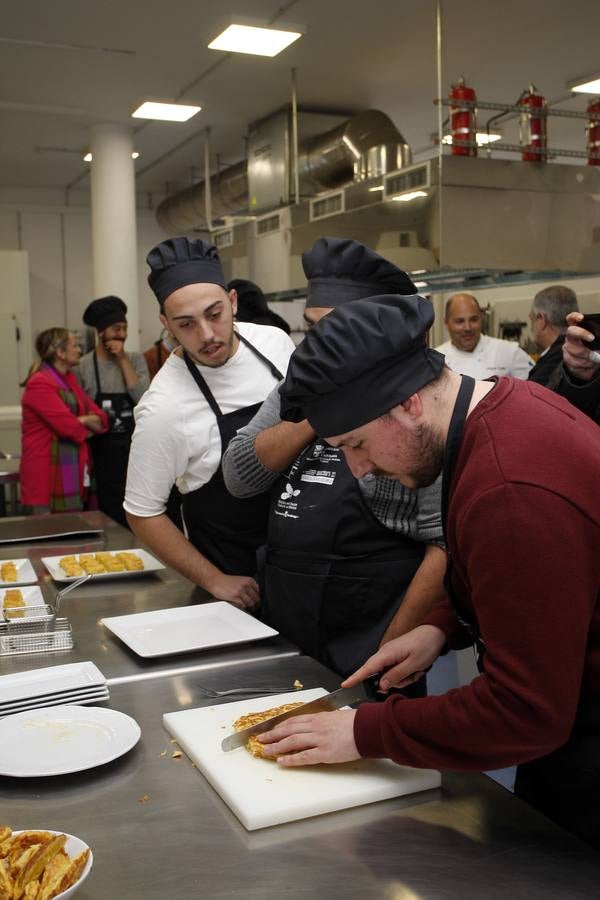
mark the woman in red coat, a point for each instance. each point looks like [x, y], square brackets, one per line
[58, 417]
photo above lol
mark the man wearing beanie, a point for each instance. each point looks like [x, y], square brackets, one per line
[116, 380]
[342, 554]
[512, 454]
[207, 389]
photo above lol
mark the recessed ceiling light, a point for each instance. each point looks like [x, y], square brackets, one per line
[88, 156]
[378, 188]
[254, 40]
[166, 112]
[589, 85]
[412, 195]
[420, 284]
[482, 137]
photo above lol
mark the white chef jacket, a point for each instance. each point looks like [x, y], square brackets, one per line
[176, 438]
[491, 356]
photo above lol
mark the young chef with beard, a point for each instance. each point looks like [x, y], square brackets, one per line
[348, 563]
[513, 456]
[207, 389]
[116, 380]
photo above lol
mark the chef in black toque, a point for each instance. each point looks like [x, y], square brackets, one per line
[252, 305]
[512, 454]
[348, 563]
[210, 386]
[116, 379]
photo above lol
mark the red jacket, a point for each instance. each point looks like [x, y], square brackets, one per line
[45, 414]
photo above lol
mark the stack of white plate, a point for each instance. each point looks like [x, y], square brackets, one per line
[73, 684]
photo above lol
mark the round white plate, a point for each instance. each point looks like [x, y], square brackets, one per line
[63, 739]
[73, 847]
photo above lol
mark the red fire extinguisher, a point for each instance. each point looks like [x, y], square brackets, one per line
[593, 130]
[463, 119]
[533, 132]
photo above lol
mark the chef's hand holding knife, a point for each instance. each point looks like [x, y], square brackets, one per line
[329, 737]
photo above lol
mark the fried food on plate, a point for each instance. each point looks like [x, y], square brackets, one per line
[13, 601]
[253, 745]
[8, 571]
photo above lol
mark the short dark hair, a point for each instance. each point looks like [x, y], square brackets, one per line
[556, 302]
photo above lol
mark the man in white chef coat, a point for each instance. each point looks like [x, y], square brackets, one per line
[472, 353]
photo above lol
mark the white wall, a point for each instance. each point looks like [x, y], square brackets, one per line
[57, 239]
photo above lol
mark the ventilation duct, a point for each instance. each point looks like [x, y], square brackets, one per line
[364, 146]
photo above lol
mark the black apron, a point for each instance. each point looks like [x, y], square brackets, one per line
[225, 529]
[110, 451]
[333, 576]
[565, 784]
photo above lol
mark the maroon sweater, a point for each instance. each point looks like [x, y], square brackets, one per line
[524, 532]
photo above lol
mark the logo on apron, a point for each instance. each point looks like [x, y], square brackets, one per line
[289, 492]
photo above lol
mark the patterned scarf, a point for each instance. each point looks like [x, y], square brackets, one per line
[67, 494]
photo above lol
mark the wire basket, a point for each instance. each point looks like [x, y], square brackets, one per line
[34, 630]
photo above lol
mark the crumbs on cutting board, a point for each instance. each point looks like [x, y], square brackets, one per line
[144, 799]
[176, 754]
[163, 753]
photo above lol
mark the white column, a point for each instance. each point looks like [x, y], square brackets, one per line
[114, 233]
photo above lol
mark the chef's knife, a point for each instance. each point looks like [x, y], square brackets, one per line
[335, 700]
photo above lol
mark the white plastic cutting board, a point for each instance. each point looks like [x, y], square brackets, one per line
[261, 793]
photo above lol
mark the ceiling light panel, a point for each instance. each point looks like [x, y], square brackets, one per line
[253, 40]
[165, 112]
[587, 86]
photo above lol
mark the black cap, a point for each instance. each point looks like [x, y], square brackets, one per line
[105, 311]
[340, 269]
[251, 300]
[179, 261]
[358, 362]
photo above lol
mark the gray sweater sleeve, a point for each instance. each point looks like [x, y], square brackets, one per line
[415, 514]
[141, 370]
[244, 474]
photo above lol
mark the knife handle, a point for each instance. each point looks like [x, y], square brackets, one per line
[372, 685]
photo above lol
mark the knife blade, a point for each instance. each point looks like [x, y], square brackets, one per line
[327, 703]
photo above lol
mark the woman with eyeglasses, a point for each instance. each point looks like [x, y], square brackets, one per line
[58, 417]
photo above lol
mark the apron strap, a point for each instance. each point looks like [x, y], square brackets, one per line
[273, 368]
[200, 381]
[97, 374]
[455, 431]
[208, 395]
[457, 424]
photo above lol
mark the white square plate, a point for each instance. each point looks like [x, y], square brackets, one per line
[187, 628]
[25, 573]
[33, 599]
[151, 564]
[50, 680]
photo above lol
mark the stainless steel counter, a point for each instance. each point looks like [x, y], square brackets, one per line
[467, 840]
[86, 605]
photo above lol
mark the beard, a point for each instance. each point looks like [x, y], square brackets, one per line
[205, 360]
[425, 452]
